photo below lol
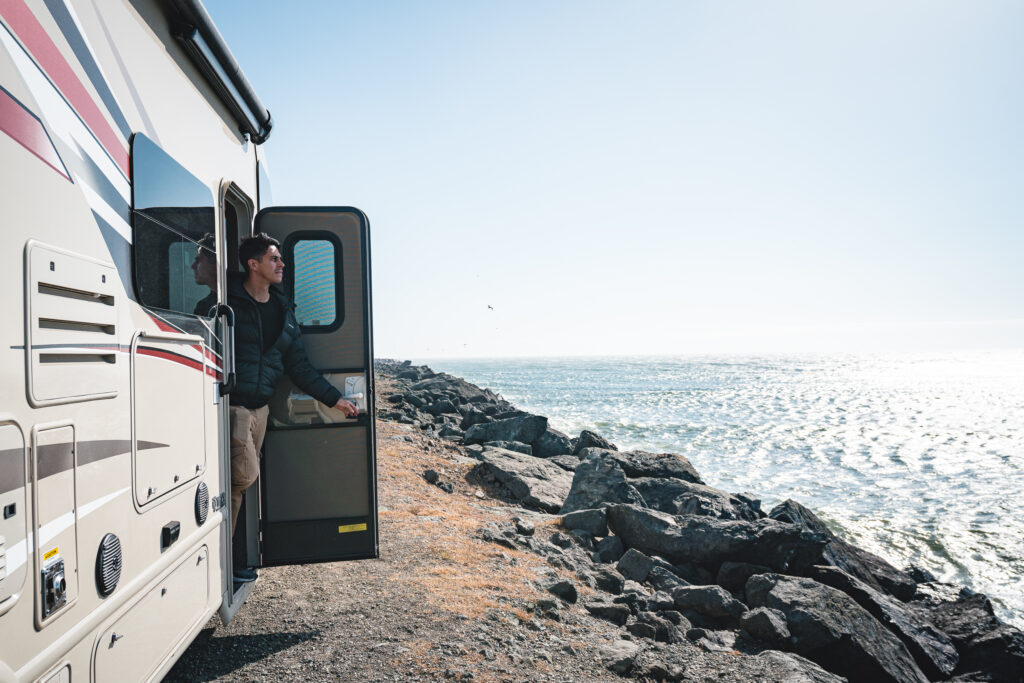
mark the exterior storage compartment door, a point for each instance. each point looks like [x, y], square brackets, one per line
[318, 482]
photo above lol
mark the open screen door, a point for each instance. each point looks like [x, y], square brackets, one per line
[318, 495]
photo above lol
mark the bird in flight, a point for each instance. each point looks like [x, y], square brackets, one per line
[490, 307]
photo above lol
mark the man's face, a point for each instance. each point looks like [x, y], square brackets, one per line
[270, 266]
[204, 269]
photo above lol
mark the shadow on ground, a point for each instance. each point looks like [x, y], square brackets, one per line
[209, 658]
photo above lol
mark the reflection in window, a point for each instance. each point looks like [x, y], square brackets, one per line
[315, 293]
[173, 226]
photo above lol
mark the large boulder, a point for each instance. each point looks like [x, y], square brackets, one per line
[932, 649]
[597, 481]
[867, 567]
[710, 542]
[551, 443]
[983, 642]
[533, 482]
[828, 627]
[523, 428]
[660, 465]
[589, 439]
[712, 601]
[594, 522]
[680, 497]
[456, 389]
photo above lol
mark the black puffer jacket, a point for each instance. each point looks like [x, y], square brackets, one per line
[257, 372]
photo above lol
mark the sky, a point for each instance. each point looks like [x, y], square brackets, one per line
[575, 177]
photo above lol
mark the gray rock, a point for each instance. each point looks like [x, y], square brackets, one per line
[984, 643]
[594, 522]
[589, 439]
[566, 462]
[861, 564]
[524, 527]
[615, 613]
[608, 580]
[609, 549]
[525, 428]
[533, 482]
[449, 431]
[597, 481]
[712, 601]
[473, 416]
[635, 565]
[792, 668]
[732, 576]
[642, 629]
[709, 541]
[663, 579]
[551, 443]
[658, 465]
[442, 407]
[619, 656]
[517, 446]
[664, 630]
[828, 627]
[932, 649]
[431, 476]
[562, 588]
[679, 497]
[765, 624]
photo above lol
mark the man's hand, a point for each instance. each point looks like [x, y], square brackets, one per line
[347, 407]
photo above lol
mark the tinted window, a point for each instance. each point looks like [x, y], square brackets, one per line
[314, 268]
[172, 212]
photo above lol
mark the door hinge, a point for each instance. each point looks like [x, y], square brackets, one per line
[219, 501]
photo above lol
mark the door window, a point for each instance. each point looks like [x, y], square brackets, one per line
[315, 269]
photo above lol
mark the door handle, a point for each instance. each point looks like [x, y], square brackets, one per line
[228, 374]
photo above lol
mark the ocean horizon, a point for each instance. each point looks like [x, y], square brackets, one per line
[918, 457]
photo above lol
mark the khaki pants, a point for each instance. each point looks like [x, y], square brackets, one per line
[248, 427]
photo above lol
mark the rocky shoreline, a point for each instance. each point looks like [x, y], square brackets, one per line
[680, 566]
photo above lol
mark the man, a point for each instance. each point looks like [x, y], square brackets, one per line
[267, 345]
[204, 270]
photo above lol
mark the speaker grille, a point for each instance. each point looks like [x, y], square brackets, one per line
[108, 564]
[202, 503]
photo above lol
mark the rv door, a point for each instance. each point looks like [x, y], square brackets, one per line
[318, 490]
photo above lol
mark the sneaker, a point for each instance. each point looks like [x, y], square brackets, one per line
[245, 575]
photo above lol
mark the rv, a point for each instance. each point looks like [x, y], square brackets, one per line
[131, 167]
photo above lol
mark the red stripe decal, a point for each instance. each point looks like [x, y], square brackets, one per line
[28, 131]
[194, 364]
[48, 55]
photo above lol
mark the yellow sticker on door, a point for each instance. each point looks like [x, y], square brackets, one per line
[50, 553]
[349, 528]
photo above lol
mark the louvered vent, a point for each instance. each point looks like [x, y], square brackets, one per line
[73, 345]
[3, 558]
[202, 503]
[108, 564]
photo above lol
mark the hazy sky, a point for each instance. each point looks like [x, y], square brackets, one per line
[659, 177]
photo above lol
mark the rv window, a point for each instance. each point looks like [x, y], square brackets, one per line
[314, 269]
[173, 211]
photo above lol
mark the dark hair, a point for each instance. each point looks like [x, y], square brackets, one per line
[209, 246]
[255, 247]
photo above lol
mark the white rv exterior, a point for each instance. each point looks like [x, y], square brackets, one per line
[127, 133]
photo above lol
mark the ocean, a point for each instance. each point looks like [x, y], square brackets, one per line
[916, 457]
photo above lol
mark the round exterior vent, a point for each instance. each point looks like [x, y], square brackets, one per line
[202, 503]
[108, 564]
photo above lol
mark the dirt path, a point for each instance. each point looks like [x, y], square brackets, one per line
[439, 604]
